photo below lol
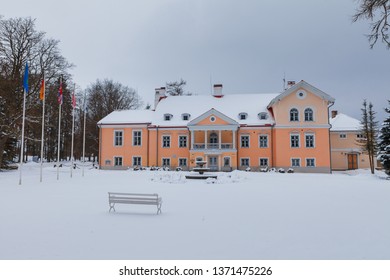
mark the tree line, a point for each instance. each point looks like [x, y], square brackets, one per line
[21, 43]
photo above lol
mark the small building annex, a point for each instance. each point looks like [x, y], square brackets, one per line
[233, 131]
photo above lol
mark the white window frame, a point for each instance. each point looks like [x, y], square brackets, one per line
[343, 135]
[168, 117]
[299, 140]
[245, 158]
[140, 161]
[249, 140]
[118, 157]
[314, 161]
[181, 159]
[184, 116]
[297, 120]
[162, 141]
[122, 137]
[263, 158]
[242, 116]
[266, 141]
[186, 141]
[299, 160]
[312, 114]
[262, 115]
[140, 138]
[314, 140]
[166, 159]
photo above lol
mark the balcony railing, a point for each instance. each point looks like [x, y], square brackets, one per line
[224, 146]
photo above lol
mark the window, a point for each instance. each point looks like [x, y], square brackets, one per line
[294, 115]
[295, 162]
[294, 141]
[137, 136]
[309, 115]
[245, 162]
[166, 141]
[213, 138]
[242, 116]
[244, 141]
[343, 135]
[212, 119]
[167, 117]
[118, 161]
[262, 116]
[310, 162]
[263, 162]
[309, 140]
[182, 141]
[263, 141]
[118, 137]
[185, 116]
[359, 136]
[182, 162]
[137, 161]
[226, 161]
[107, 162]
[166, 162]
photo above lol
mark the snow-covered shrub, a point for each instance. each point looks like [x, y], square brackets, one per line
[290, 170]
[281, 170]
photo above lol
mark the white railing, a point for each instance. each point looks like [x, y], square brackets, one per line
[213, 146]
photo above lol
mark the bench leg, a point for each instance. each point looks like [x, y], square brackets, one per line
[158, 209]
[112, 207]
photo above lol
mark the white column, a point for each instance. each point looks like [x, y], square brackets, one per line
[219, 137]
[192, 139]
[205, 139]
[234, 139]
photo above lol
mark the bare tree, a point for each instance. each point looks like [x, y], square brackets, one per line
[370, 132]
[177, 88]
[20, 42]
[105, 97]
[376, 11]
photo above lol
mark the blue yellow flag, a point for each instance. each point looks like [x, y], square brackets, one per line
[25, 79]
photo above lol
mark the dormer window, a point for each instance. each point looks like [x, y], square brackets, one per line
[242, 116]
[185, 116]
[167, 117]
[263, 116]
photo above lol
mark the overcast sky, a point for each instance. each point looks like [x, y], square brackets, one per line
[247, 45]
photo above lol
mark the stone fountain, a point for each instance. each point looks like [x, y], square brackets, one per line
[201, 169]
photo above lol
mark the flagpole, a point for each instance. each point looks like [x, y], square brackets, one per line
[85, 117]
[71, 152]
[59, 130]
[43, 124]
[22, 144]
[25, 90]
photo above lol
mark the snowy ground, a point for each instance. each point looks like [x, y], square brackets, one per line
[243, 215]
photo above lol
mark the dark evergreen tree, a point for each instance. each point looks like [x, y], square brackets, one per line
[384, 142]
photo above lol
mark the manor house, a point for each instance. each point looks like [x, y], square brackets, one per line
[292, 129]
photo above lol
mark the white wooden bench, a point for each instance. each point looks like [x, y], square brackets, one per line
[134, 198]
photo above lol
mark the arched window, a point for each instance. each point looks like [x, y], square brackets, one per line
[213, 138]
[309, 115]
[294, 115]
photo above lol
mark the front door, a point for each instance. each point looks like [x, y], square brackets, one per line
[213, 163]
[352, 161]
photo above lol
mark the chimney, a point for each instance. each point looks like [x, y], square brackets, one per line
[290, 83]
[218, 91]
[160, 94]
[334, 114]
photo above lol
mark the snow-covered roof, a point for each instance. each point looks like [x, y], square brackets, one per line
[230, 105]
[343, 122]
[127, 117]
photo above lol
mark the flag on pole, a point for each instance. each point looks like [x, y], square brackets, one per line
[42, 90]
[25, 79]
[73, 100]
[60, 93]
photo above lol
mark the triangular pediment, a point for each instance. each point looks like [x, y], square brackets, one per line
[212, 118]
[302, 85]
